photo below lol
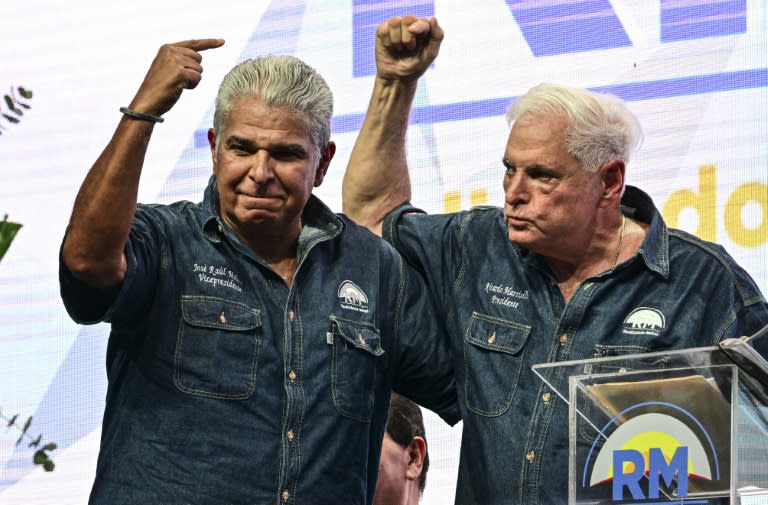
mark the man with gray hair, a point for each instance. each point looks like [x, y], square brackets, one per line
[563, 272]
[255, 336]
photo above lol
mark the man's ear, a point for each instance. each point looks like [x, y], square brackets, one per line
[326, 155]
[417, 451]
[612, 175]
[212, 143]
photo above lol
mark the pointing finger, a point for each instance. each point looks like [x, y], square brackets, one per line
[200, 44]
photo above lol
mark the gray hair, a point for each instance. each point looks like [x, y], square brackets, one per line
[600, 127]
[283, 82]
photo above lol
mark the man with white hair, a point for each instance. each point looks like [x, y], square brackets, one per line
[564, 271]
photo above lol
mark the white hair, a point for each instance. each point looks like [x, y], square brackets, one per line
[600, 127]
[283, 82]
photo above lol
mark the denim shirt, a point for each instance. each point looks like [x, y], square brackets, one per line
[505, 312]
[228, 387]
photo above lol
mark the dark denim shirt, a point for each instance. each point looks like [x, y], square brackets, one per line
[505, 313]
[227, 387]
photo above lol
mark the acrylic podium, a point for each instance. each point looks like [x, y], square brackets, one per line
[687, 426]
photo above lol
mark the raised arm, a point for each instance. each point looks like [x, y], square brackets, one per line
[93, 248]
[376, 180]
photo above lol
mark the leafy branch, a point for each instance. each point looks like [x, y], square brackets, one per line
[41, 456]
[8, 232]
[14, 105]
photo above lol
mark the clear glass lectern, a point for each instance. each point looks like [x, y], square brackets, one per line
[687, 426]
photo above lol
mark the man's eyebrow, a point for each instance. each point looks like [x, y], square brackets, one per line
[235, 140]
[535, 168]
[291, 148]
[295, 149]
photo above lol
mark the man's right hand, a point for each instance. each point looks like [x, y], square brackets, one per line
[175, 68]
[406, 46]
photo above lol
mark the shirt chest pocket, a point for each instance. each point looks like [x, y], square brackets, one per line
[356, 349]
[493, 358]
[217, 348]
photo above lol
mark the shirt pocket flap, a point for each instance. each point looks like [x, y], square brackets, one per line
[211, 312]
[363, 336]
[497, 334]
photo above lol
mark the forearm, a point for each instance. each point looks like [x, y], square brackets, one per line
[376, 180]
[101, 219]
[93, 248]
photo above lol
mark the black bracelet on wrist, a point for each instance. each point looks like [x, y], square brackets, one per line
[140, 115]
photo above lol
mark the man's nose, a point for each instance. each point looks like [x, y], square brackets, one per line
[515, 188]
[262, 169]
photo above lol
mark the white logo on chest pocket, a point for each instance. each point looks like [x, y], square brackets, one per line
[352, 297]
[644, 321]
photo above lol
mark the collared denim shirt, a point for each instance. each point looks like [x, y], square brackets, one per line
[227, 387]
[505, 312]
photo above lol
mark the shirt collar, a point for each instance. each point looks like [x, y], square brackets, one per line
[212, 226]
[655, 247]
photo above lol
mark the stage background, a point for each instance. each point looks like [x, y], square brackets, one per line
[693, 71]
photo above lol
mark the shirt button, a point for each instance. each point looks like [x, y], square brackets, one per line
[285, 495]
[622, 370]
[291, 315]
[360, 339]
[223, 318]
[221, 230]
[289, 435]
[530, 456]
[563, 338]
[292, 375]
[546, 397]
[492, 338]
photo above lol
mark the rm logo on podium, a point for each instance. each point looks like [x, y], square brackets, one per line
[653, 450]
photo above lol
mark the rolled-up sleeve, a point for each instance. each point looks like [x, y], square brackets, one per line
[86, 304]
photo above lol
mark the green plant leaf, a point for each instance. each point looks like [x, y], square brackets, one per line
[40, 457]
[26, 426]
[8, 101]
[24, 430]
[36, 441]
[26, 93]
[11, 118]
[8, 232]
